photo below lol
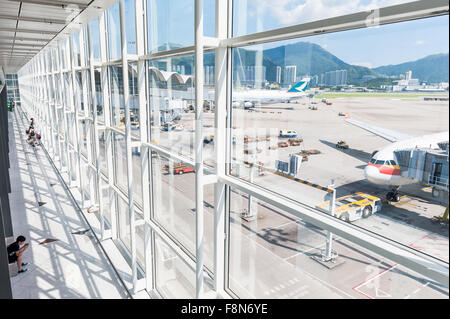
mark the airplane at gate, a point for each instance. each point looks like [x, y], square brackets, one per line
[383, 168]
[249, 98]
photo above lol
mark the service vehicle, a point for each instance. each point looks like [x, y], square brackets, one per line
[295, 141]
[342, 145]
[134, 125]
[179, 169]
[352, 207]
[288, 133]
[283, 144]
[168, 126]
[208, 139]
[178, 127]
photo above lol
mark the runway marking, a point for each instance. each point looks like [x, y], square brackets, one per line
[325, 283]
[417, 290]
[434, 247]
[356, 288]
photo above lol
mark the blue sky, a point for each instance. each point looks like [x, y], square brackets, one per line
[372, 47]
[389, 44]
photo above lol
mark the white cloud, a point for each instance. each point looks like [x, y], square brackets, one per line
[290, 12]
[366, 64]
[420, 42]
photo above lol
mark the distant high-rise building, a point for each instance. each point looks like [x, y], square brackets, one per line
[334, 78]
[278, 78]
[290, 74]
[408, 75]
[315, 80]
[254, 75]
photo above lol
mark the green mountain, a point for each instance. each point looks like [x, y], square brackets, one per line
[312, 59]
[431, 69]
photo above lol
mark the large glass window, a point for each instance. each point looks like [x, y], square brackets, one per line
[277, 255]
[76, 50]
[172, 104]
[174, 204]
[114, 42]
[95, 38]
[78, 92]
[250, 16]
[99, 96]
[134, 99]
[102, 151]
[171, 23]
[116, 96]
[120, 161]
[301, 110]
[130, 26]
[174, 279]
[123, 222]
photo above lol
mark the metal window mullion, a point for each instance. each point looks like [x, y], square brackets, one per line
[129, 159]
[74, 110]
[140, 18]
[88, 124]
[107, 114]
[50, 107]
[220, 146]
[43, 125]
[198, 146]
[98, 174]
[55, 109]
[64, 93]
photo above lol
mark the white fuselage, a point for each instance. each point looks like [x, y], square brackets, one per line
[266, 96]
[388, 172]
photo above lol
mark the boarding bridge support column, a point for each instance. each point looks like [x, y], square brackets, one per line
[329, 243]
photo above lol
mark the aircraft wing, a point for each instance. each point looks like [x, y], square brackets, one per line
[390, 135]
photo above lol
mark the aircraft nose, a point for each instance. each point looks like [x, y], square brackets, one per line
[371, 173]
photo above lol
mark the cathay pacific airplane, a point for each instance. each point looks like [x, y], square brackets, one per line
[248, 98]
[383, 168]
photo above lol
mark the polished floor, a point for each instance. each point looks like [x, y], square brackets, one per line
[64, 258]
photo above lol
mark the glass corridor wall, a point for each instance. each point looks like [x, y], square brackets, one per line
[187, 127]
[12, 84]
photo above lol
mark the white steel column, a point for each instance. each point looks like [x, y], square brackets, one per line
[126, 97]
[98, 175]
[56, 105]
[107, 115]
[199, 225]
[62, 93]
[220, 143]
[77, 148]
[140, 19]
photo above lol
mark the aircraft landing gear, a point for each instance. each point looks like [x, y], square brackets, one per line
[393, 195]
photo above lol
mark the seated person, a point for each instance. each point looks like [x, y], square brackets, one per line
[15, 253]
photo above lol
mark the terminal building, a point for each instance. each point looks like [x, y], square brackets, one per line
[131, 174]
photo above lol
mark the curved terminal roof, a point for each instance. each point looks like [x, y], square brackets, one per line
[166, 75]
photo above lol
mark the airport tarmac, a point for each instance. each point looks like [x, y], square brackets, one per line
[282, 245]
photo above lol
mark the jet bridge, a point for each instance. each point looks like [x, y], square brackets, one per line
[428, 167]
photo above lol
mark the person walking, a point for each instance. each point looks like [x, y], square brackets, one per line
[15, 253]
